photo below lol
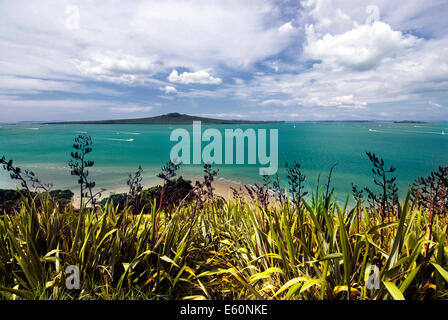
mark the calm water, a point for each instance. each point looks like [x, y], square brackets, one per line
[415, 149]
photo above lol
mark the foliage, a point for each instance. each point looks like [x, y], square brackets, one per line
[260, 193]
[118, 199]
[386, 201]
[135, 187]
[16, 174]
[168, 171]
[171, 194]
[62, 198]
[296, 181]
[79, 167]
[223, 250]
[206, 187]
[10, 200]
[431, 194]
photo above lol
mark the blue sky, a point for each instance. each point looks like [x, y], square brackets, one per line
[282, 60]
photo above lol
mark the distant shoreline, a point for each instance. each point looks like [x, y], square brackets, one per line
[230, 122]
[409, 122]
[170, 118]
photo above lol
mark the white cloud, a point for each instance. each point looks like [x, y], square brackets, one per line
[224, 115]
[362, 48]
[128, 44]
[65, 105]
[346, 102]
[202, 34]
[201, 77]
[189, 34]
[169, 89]
[130, 109]
[287, 27]
[434, 105]
[360, 67]
[339, 16]
[64, 109]
[325, 17]
[118, 68]
[14, 84]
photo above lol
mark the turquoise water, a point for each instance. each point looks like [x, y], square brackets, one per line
[414, 149]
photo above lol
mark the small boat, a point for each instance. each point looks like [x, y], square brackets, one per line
[443, 132]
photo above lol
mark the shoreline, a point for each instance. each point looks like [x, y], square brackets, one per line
[221, 187]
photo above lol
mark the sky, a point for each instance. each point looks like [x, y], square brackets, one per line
[256, 60]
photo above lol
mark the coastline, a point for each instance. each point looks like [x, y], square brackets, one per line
[221, 187]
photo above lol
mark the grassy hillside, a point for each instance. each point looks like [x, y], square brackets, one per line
[223, 250]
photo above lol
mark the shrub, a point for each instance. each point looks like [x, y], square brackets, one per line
[10, 200]
[169, 195]
[118, 199]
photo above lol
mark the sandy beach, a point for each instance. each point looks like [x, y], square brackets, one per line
[222, 187]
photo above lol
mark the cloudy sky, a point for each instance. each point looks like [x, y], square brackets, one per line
[286, 60]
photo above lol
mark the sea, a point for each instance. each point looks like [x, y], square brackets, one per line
[414, 149]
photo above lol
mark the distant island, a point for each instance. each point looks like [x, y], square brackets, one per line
[409, 121]
[170, 118]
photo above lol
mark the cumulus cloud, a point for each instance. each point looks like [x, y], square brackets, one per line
[412, 76]
[362, 48]
[115, 67]
[201, 77]
[358, 66]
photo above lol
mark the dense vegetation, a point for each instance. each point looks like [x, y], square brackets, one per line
[11, 201]
[265, 243]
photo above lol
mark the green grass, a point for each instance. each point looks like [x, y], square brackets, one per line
[223, 250]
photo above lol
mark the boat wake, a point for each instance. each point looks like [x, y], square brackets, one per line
[133, 133]
[374, 130]
[428, 132]
[409, 131]
[113, 139]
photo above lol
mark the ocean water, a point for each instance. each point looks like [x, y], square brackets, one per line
[414, 149]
